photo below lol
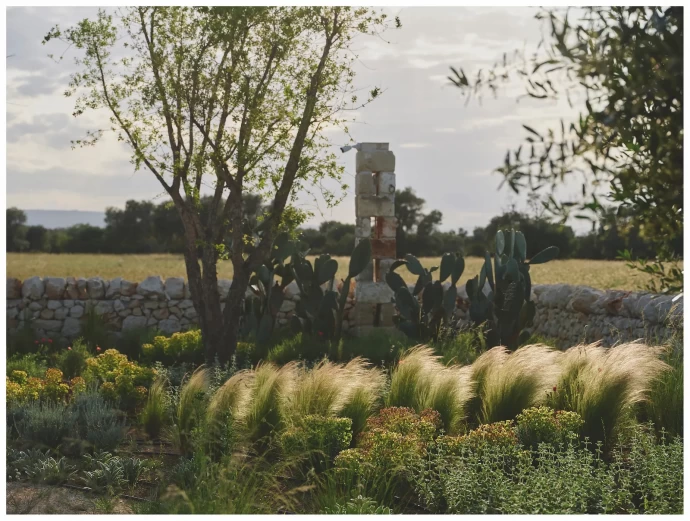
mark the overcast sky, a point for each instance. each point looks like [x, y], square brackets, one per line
[446, 151]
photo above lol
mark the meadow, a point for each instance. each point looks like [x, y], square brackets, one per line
[595, 273]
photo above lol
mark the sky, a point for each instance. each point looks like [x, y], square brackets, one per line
[445, 150]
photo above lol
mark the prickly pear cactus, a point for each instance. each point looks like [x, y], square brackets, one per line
[507, 309]
[320, 311]
[423, 321]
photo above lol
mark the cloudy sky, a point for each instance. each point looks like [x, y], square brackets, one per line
[446, 151]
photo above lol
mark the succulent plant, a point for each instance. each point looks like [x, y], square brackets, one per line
[320, 310]
[423, 321]
[507, 309]
[261, 311]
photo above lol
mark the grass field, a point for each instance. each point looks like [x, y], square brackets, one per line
[598, 274]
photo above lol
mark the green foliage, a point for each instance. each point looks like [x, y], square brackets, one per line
[423, 322]
[264, 412]
[629, 136]
[96, 422]
[358, 506]
[544, 425]
[186, 347]
[650, 471]
[131, 341]
[508, 383]
[72, 360]
[189, 412]
[32, 364]
[281, 81]
[122, 382]
[603, 386]
[154, 415]
[46, 423]
[380, 347]
[268, 293]
[94, 330]
[507, 309]
[319, 437]
[460, 347]
[298, 347]
[665, 404]
[320, 311]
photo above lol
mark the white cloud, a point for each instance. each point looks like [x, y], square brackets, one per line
[414, 145]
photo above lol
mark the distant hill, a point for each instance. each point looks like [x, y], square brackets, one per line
[52, 219]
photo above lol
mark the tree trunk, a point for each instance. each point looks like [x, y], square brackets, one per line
[234, 307]
[214, 342]
[203, 286]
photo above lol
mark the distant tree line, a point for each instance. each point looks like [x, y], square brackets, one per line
[146, 227]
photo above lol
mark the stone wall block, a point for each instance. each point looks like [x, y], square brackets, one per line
[383, 248]
[133, 322]
[114, 288]
[386, 228]
[373, 292]
[367, 275]
[363, 227]
[82, 289]
[378, 161]
[365, 183]
[374, 206]
[128, 288]
[174, 287]
[14, 288]
[95, 287]
[373, 147]
[385, 183]
[33, 288]
[224, 288]
[151, 287]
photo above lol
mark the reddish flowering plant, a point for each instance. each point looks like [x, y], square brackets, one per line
[69, 348]
[98, 348]
[554, 388]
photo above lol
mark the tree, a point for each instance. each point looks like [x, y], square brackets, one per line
[627, 144]
[408, 211]
[16, 230]
[234, 98]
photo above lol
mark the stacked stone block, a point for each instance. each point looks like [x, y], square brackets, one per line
[375, 220]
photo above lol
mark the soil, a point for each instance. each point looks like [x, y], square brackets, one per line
[25, 498]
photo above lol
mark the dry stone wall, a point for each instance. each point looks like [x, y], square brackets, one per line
[575, 314]
[57, 307]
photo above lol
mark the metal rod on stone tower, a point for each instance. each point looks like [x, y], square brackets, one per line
[375, 219]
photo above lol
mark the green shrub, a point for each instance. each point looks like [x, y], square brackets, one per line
[652, 472]
[154, 414]
[186, 347]
[123, 382]
[412, 378]
[665, 404]
[97, 422]
[46, 423]
[460, 347]
[544, 425]
[379, 347]
[72, 360]
[508, 383]
[51, 471]
[94, 330]
[395, 441]
[33, 364]
[358, 506]
[190, 410]
[298, 347]
[263, 414]
[320, 437]
[603, 386]
[130, 341]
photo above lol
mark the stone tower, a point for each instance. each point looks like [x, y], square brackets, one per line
[375, 219]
